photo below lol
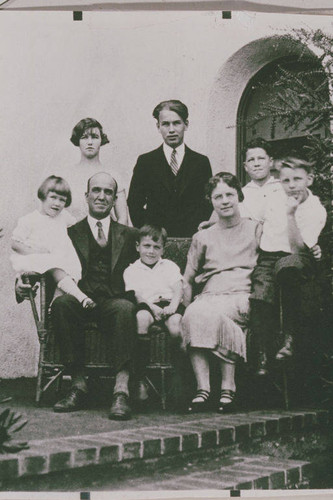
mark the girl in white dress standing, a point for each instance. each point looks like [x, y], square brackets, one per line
[41, 244]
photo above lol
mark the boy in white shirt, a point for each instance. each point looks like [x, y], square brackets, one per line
[156, 282]
[293, 221]
[258, 162]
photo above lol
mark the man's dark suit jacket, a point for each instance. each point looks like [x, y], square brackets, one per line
[178, 203]
[123, 250]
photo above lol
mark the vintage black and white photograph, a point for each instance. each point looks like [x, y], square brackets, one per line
[194, 146]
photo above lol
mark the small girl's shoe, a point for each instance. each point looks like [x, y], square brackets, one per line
[226, 401]
[200, 402]
[88, 303]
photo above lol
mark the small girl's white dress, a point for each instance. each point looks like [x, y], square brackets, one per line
[41, 232]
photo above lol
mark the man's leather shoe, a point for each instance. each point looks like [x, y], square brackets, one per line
[75, 400]
[120, 409]
[262, 365]
[287, 349]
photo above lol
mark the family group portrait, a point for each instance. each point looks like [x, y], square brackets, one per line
[166, 242]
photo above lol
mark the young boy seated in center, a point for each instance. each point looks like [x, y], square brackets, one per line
[293, 221]
[156, 282]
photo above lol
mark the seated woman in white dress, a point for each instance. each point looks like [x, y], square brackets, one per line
[41, 244]
[88, 136]
[220, 261]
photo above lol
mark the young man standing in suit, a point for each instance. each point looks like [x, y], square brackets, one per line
[167, 186]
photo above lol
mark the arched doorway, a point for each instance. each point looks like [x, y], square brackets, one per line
[261, 90]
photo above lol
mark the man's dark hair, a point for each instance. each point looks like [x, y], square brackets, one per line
[84, 125]
[154, 232]
[56, 185]
[226, 177]
[173, 105]
[258, 142]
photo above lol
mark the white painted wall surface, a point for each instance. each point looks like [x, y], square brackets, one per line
[115, 67]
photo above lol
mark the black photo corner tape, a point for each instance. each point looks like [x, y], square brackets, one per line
[226, 14]
[84, 495]
[77, 15]
[235, 493]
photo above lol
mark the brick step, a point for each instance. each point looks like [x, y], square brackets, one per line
[187, 435]
[238, 473]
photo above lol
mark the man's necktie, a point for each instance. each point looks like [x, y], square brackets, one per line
[101, 240]
[173, 162]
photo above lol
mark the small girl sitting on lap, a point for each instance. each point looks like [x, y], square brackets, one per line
[41, 244]
[157, 283]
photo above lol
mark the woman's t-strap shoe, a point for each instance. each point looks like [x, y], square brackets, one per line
[200, 402]
[226, 401]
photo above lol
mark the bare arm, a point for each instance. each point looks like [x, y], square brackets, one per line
[295, 238]
[189, 276]
[120, 208]
[177, 295]
[24, 249]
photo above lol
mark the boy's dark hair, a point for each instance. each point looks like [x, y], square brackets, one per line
[226, 177]
[84, 125]
[293, 162]
[258, 142]
[57, 185]
[154, 232]
[173, 105]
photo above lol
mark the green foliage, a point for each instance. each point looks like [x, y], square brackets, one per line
[304, 101]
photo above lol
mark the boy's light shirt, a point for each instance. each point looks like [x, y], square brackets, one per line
[256, 198]
[152, 284]
[180, 150]
[310, 219]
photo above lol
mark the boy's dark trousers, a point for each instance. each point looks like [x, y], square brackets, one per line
[277, 276]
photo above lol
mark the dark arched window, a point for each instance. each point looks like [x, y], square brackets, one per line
[258, 93]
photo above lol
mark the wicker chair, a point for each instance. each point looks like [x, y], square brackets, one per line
[50, 368]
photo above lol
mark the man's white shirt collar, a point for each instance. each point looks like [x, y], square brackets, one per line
[142, 265]
[105, 224]
[180, 150]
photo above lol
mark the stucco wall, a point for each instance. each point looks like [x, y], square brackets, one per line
[115, 67]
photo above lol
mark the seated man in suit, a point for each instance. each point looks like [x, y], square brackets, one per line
[167, 186]
[105, 249]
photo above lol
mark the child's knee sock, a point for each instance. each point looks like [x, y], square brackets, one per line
[69, 286]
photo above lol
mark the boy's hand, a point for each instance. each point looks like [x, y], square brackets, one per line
[168, 311]
[316, 252]
[22, 289]
[158, 311]
[292, 204]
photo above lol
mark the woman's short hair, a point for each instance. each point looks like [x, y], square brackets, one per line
[154, 232]
[57, 185]
[84, 125]
[173, 105]
[226, 177]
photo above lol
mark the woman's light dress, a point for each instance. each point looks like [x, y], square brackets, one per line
[222, 260]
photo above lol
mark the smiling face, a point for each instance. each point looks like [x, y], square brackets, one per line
[225, 200]
[258, 164]
[90, 142]
[172, 127]
[295, 182]
[150, 251]
[101, 195]
[53, 204]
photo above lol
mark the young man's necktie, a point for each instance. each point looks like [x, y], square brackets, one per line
[173, 162]
[101, 239]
